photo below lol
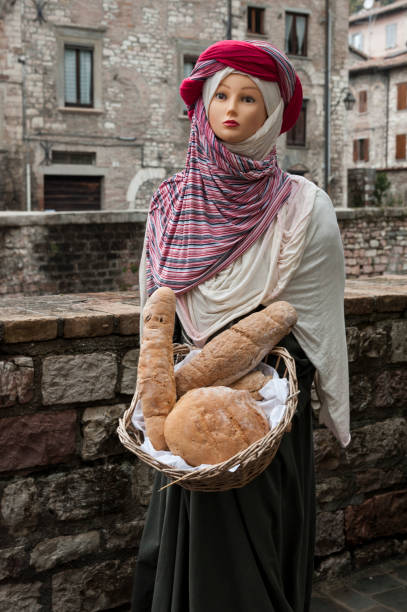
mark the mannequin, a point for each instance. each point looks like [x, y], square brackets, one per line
[230, 234]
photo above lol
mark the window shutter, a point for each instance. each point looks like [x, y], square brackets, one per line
[366, 149]
[401, 96]
[400, 146]
[363, 101]
[355, 150]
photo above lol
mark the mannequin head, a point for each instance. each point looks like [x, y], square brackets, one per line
[237, 109]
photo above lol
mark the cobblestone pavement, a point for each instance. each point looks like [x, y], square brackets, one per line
[378, 588]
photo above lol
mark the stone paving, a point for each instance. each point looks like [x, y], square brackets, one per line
[374, 589]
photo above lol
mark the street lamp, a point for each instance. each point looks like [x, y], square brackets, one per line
[349, 100]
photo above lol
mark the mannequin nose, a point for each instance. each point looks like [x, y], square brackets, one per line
[232, 105]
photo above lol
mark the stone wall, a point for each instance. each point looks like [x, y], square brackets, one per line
[375, 241]
[70, 252]
[72, 500]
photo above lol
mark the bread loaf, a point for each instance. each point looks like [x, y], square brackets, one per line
[155, 376]
[212, 424]
[238, 350]
[252, 382]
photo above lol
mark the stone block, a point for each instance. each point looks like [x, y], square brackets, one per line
[390, 389]
[78, 378]
[374, 444]
[88, 325]
[380, 516]
[20, 506]
[129, 376]
[89, 492]
[142, 483]
[12, 562]
[129, 324]
[360, 393]
[334, 566]
[330, 536]
[333, 490]
[378, 552]
[20, 597]
[352, 341]
[37, 439]
[374, 479]
[99, 431]
[16, 381]
[55, 551]
[373, 342]
[399, 341]
[97, 587]
[21, 328]
[328, 454]
[124, 535]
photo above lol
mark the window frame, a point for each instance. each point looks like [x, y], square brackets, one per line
[187, 49]
[86, 38]
[78, 49]
[261, 11]
[402, 96]
[362, 101]
[295, 14]
[393, 29]
[361, 149]
[401, 141]
[300, 143]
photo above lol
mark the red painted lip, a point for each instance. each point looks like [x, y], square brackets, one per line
[231, 123]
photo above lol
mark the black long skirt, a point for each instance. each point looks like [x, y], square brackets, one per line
[248, 549]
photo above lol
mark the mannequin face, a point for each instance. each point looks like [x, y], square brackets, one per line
[237, 109]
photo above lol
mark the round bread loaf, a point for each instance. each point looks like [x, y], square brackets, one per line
[211, 424]
[252, 382]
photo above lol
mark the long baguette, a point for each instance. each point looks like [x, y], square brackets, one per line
[236, 351]
[155, 376]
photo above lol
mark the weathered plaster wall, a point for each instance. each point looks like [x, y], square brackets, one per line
[73, 501]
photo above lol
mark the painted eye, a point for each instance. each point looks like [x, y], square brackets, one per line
[220, 96]
[248, 99]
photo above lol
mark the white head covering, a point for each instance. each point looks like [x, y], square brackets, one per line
[261, 142]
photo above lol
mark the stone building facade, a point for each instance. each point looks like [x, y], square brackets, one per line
[90, 116]
[378, 121]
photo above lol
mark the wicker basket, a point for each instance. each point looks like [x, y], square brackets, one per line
[251, 461]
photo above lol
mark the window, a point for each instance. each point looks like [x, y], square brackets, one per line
[296, 27]
[363, 101]
[188, 64]
[401, 146]
[401, 96]
[79, 68]
[78, 76]
[356, 40]
[361, 149]
[255, 20]
[73, 157]
[391, 35]
[297, 135]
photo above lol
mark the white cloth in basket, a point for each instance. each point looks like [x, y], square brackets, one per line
[275, 393]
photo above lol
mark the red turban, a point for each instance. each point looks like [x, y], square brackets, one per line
[257, 58]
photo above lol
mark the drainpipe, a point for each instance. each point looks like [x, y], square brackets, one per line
[229, 21]
[387, 118]
[327, 96]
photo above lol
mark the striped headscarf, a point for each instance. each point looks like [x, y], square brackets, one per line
[203, 218]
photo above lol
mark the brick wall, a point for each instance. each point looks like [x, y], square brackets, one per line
[73, 501]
